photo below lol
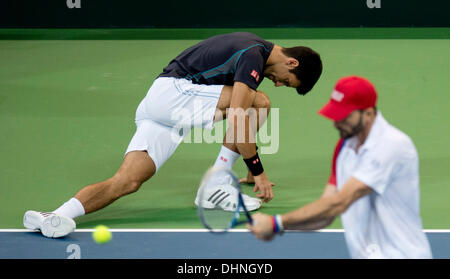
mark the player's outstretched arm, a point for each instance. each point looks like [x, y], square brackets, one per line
[329, 190]
[324, 209]
[327, 207]
[263, 223]
[243, 134]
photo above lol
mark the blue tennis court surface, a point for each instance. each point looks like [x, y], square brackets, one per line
[189, 244]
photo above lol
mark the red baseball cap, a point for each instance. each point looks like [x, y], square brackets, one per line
[350, 93]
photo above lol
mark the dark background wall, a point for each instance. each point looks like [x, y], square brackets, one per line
[223, 14]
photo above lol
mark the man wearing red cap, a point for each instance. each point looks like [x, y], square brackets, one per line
[374, 182]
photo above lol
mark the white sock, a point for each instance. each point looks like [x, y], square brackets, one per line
[72, 209]
[226, 158]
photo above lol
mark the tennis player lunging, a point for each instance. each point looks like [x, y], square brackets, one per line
[374, 182]
[218, 75]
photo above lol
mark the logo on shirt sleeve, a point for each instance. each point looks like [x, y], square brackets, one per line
[255, 74]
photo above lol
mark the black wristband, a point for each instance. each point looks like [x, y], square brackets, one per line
[254, 165]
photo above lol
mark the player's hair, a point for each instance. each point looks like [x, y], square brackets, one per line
[309, 69]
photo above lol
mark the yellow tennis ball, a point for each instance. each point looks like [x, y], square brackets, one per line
[101, 234]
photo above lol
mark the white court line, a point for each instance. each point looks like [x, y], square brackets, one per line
[202, 230]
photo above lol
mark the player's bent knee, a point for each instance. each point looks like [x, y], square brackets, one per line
[262, 100]
[122, 187]
[131, 187]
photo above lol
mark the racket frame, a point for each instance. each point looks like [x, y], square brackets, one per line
[235, 221]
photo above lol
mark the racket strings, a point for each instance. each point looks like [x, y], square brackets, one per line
[219, 204]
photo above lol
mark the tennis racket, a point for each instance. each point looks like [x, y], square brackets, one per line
[212, 201]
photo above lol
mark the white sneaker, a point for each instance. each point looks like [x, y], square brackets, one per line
[225, 197]
[50, 224]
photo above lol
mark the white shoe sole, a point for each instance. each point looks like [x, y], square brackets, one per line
[53, 226]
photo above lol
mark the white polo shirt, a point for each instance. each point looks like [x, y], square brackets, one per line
[385, 223]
